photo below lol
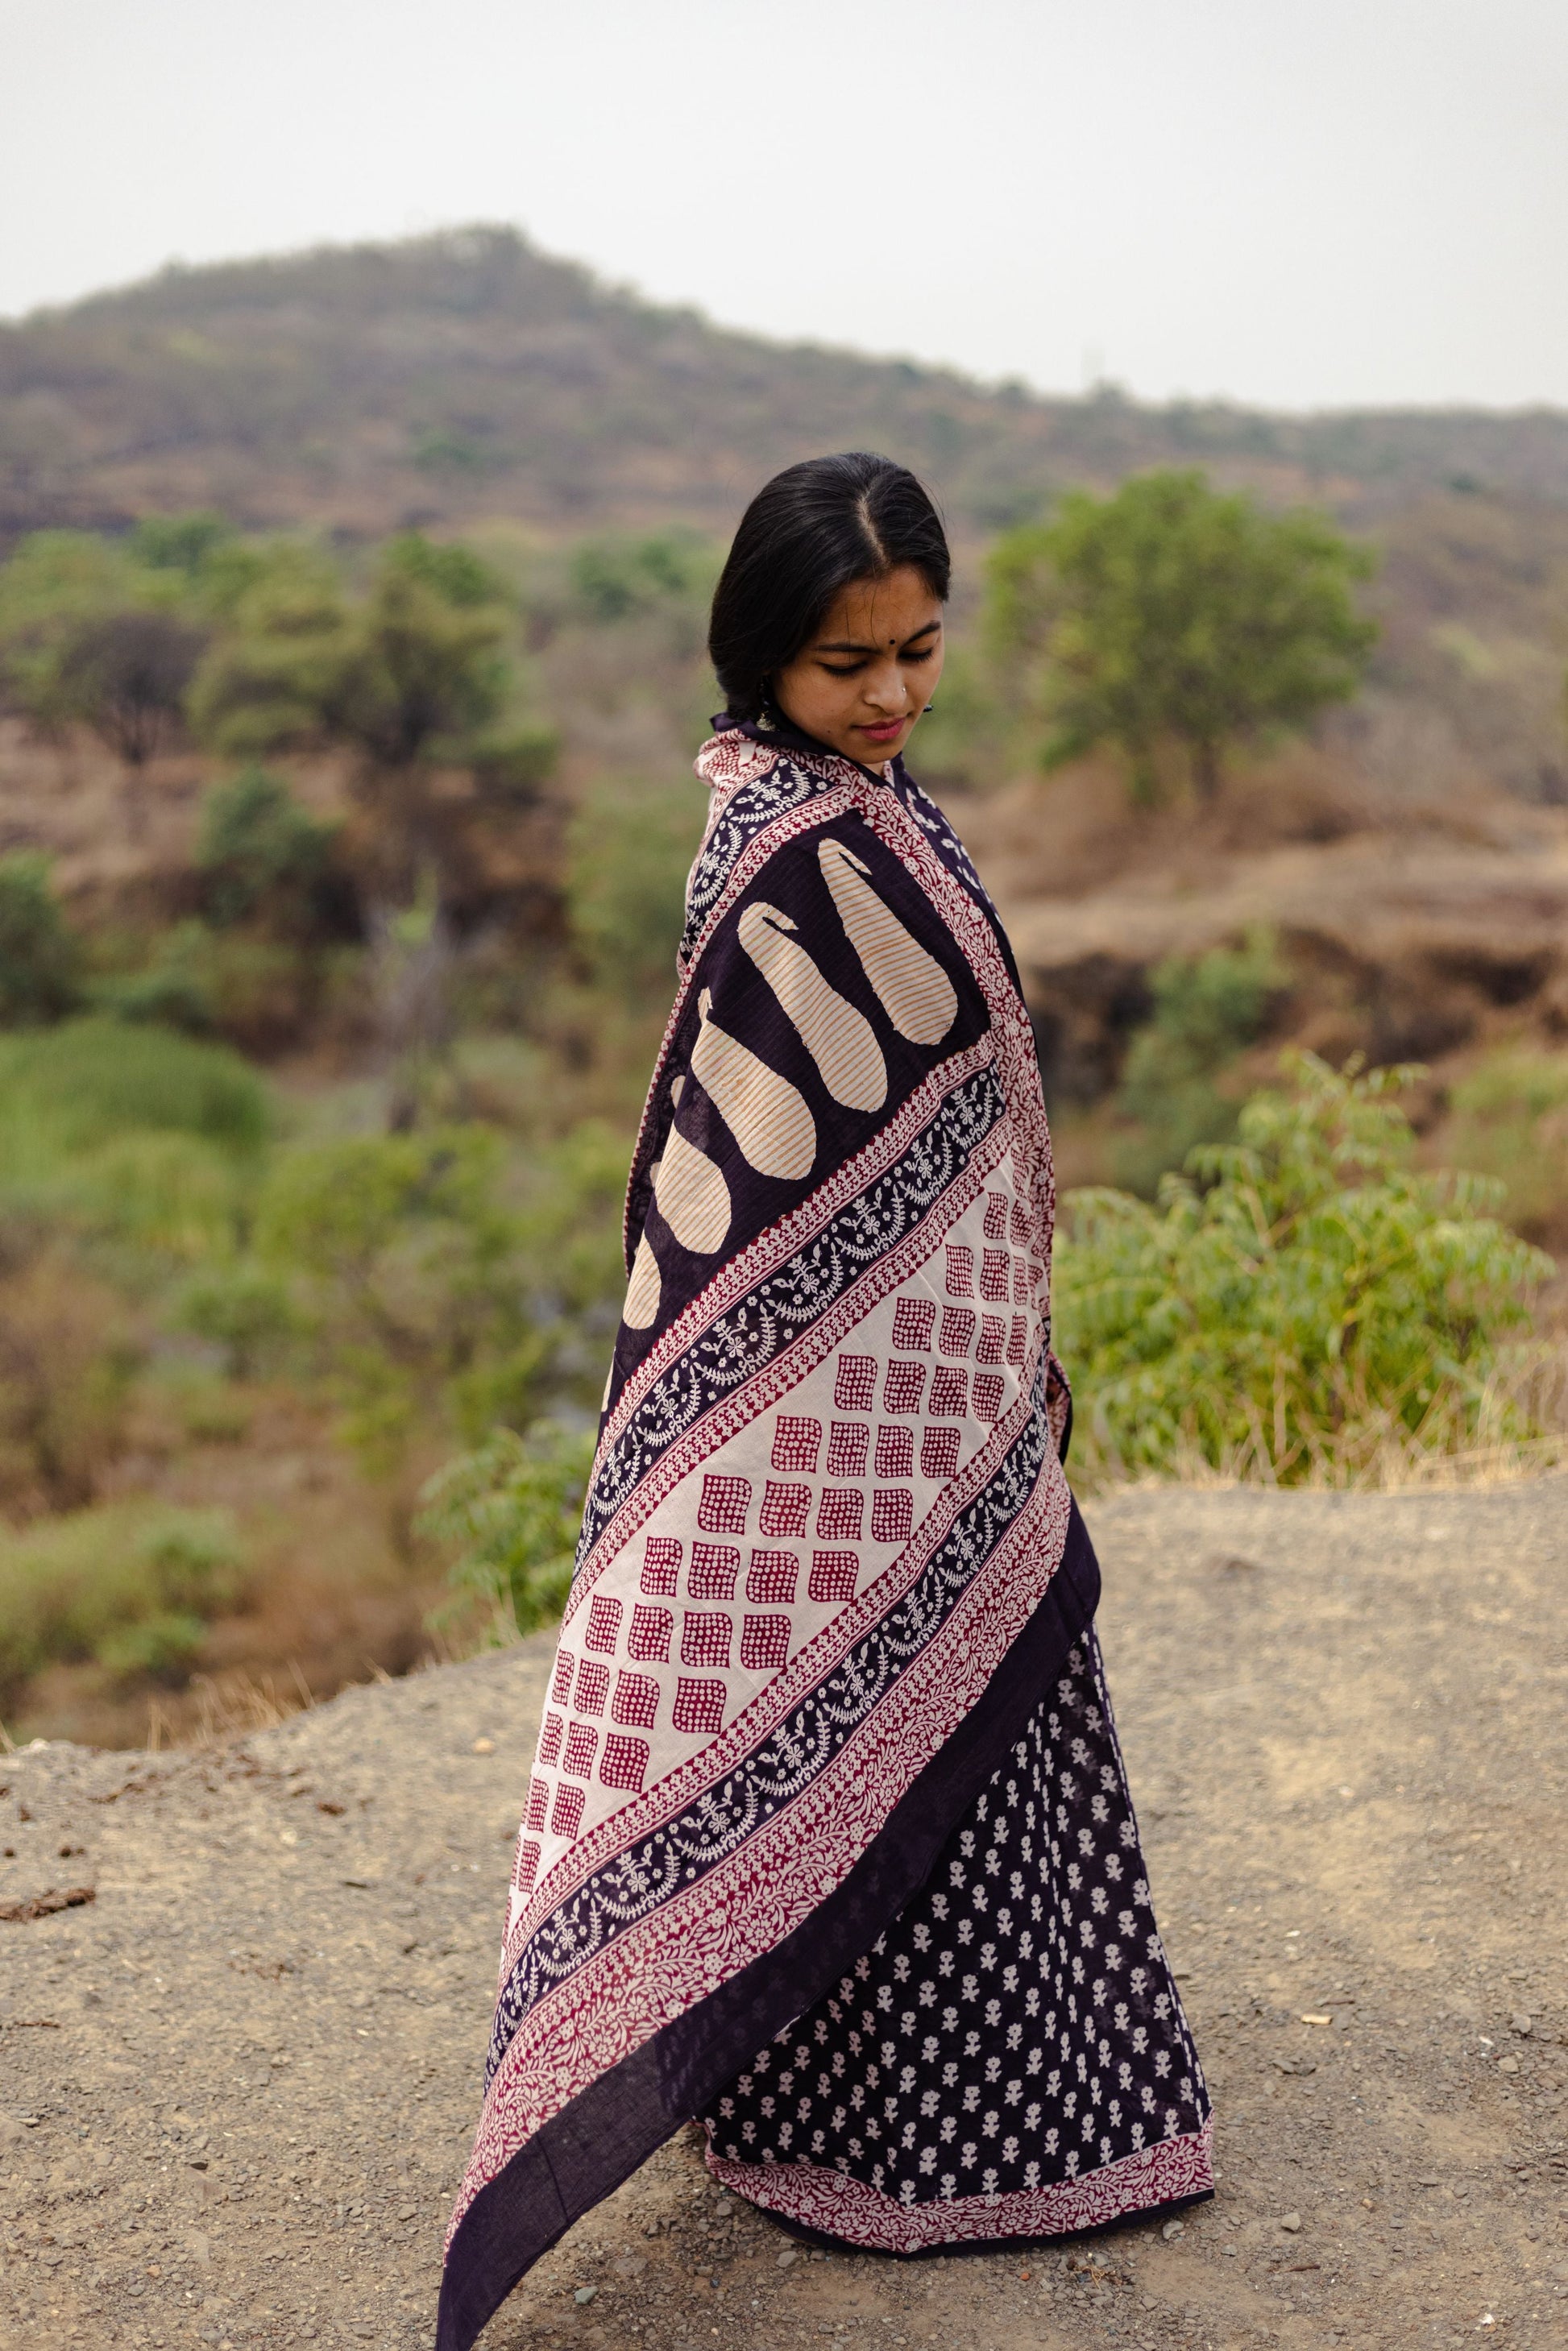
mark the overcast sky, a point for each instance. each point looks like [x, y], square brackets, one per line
[1301, 202]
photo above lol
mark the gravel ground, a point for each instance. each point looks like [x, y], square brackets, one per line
[236, 2087]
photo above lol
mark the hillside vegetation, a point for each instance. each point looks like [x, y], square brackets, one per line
[345, 808]
[467, 373]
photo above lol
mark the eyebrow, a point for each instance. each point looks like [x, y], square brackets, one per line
[912, 638]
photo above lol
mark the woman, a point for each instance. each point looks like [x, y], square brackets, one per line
[829, 1842]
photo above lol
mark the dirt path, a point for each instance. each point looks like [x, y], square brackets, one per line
[236, 2090]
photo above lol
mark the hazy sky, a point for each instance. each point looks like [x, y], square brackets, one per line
[1296, 201]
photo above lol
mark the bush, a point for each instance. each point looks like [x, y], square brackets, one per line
[66, 1356]
[629, 851]
[93, 1079]
[1207, 1010]
[513, 1507]
[1311, 1310]
[1510, 1120]
[129, 1585]
[241, 1308]
[38, 957]
[263, 858]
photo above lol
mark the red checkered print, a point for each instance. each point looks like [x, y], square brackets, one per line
[834, 1575]
[989, 1389]
[566, 1817]
[636, 1700]
[891, 1514]
[550, 1739]
[661, 1566]
[706, 1637]
[772, 1575]
[560, 1688]
[854, 1383]
[603, 1625]
[992, 1348]
[785, 1509]
[764, 1643]
[958, 1329]
[796, 1444]
[592, 1686]
[939, 1453]
[895, 1451]
[625, 1764]
[996, 1225]
[995, 1276]
[699, 1706]
[912, 1320]
[714, 1570]
[839, 1513]
[903, 1386]
[724, 1505]
[1017, 1341]
[581, 1747]
[649, 1639]
[539, 1804]
[528, 1864]
[949, 1392]
[848, 1443]
[1022, 1235]
[1024, 1278]
[960, 1270]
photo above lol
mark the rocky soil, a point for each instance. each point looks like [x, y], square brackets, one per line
[236, 2086]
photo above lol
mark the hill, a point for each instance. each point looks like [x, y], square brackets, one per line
[467, 373]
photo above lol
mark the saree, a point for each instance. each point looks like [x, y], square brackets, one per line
[827, 1841]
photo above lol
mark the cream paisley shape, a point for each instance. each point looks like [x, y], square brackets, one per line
[837, 1038]
[916, 993]
[692, 1196]
[767, 1116]
[641, 1310]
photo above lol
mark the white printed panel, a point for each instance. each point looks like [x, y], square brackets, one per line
[746, 1561]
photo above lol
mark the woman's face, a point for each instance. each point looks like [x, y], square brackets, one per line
[861, 683]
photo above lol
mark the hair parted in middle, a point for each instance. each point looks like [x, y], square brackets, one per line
[807, 535]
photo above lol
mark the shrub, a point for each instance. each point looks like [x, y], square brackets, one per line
[629, 853]
[129, 1585]
[92, 1079]
[1207, 1010]
[513, 1507]
[243, 1308]
[1310, 1310]
[1510, 1120]
[38, 957]
[263, 858]
[66, 1356]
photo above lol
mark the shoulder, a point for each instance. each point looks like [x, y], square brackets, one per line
[760, 803]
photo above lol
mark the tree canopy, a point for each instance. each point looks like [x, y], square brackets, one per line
[1173, 615]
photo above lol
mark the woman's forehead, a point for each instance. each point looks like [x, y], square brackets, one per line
[881, 611]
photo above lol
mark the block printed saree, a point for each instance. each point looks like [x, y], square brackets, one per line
[827, 1671]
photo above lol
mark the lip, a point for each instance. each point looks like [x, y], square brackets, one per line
[886, 734]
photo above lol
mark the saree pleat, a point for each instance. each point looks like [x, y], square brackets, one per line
[829, 1562]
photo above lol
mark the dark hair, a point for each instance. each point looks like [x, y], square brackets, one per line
[806, 536]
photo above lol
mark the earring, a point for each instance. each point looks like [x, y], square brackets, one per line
[930, 706]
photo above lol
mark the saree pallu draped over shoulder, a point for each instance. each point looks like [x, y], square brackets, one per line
[833, 1599]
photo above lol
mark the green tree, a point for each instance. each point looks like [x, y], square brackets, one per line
[90, 633]
[1172, 614]
[404, 679]
[262, 857]
[39, 961]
